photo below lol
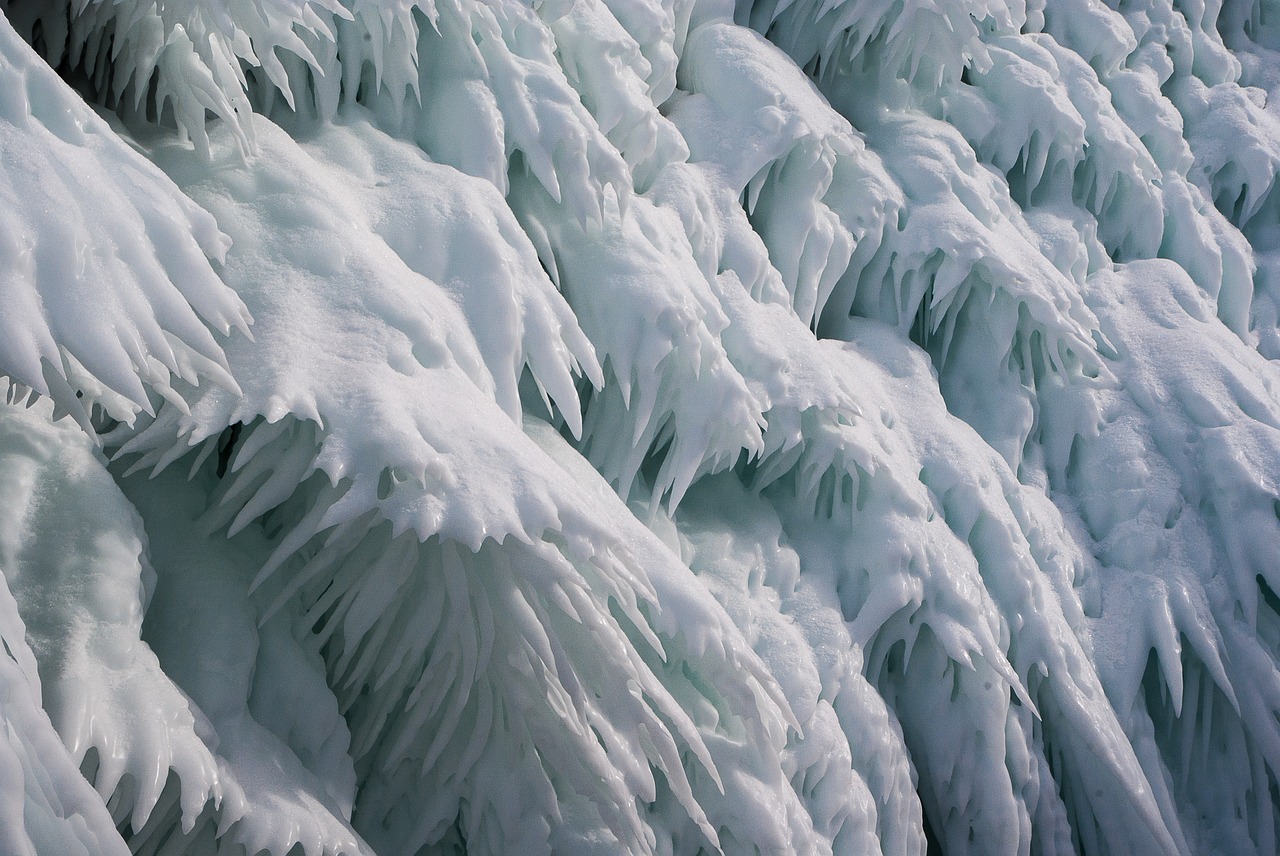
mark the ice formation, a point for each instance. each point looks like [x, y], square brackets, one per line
[646, 426]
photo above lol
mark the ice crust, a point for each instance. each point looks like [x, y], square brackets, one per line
[598, 426]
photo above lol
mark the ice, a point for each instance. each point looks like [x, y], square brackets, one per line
[76, 564]
[1162, 531]
[45, 804]
[280, 743]
[363, 523]
[647, 426]
[80, 208]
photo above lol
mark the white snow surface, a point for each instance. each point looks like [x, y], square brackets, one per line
[645, 426]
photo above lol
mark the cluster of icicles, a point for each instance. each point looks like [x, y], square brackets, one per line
[601, 426]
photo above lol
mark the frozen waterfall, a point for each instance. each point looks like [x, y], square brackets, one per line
[816, 427]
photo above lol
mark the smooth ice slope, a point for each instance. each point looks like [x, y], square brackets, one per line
[647, 426]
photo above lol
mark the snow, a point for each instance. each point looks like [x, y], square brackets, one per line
[648, 426]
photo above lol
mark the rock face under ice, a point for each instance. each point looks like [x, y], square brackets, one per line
[663, 426]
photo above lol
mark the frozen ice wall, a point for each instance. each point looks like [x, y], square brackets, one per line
[639, 426]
